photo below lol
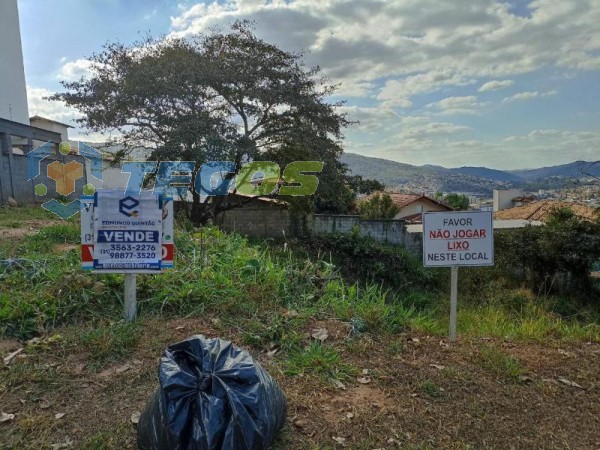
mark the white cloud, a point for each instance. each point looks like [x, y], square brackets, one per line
[51, 110]
[364, 40]
[421, 129]
[371, 119]
[60, 112]
[455, 105]
[495, 85]
[528, 95]
[398, 92]
[74, 70]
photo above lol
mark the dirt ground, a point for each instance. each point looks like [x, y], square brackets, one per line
[25, 228]
[410, 391]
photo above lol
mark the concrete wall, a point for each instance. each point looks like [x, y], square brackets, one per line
[13, 94]
[14, 183]
[388, 231]
[332, 223]
[264, 220]
[258, 219]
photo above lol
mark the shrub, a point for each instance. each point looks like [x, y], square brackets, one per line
[557, 257]
[363, 258]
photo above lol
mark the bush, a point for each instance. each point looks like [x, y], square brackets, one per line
[555, 258]
[363, 258]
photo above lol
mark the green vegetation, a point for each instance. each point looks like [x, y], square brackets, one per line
[379, 206]
[499, 363]
[111, 342]
[320, 360]
[13, 217]
[363, 259]
[382, 317]
[459, 202]
[431, 389]
[252, 287]
[555, 258]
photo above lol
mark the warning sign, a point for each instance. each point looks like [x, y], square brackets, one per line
[460, 238]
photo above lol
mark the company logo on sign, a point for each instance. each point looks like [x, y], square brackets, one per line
[127, 205]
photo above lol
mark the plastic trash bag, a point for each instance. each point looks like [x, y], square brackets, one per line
[212, 396]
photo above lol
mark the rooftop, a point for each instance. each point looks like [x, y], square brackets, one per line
[541, 210]
[37, 117]
[403, 200]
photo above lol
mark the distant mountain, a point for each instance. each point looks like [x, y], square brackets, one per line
[572, 170]
[491, 174]
[475, 180]
[428, 179]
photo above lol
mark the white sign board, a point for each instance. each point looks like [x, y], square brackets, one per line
[123, 233]
[458, 238]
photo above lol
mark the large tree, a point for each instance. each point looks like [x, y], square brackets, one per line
[215, 97]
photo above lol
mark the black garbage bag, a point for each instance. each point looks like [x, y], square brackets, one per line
[212, 396]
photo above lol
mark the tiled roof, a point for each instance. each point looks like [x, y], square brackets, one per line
[541, 210]
[403, 200]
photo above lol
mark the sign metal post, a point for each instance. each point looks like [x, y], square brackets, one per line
[453, 302]
[128, 234]
[130, 296]
[458, 238]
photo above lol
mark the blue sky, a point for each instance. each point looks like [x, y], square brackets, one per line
[503, 84]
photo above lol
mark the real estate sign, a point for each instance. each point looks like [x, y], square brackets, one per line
[126, 233]
[458, 238]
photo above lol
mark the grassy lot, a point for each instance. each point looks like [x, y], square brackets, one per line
[521, 376]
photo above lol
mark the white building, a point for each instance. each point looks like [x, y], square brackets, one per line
[13, 91]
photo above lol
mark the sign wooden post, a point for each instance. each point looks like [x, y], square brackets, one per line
[458, 238]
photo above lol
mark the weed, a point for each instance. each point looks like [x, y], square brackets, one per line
[396, 347]
[499, 363]
[431, 389]
[319, 360]
[110, 343]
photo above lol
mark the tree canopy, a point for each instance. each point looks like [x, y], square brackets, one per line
[379, 206]
[457, 201]
[216, 97]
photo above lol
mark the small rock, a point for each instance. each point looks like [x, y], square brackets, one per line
[11, 356]
[320, 333]
[569, 382]
[4, 417]
[338, 384]
[135, 417]
[12, 202]
[59, 415]
[300, 423]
